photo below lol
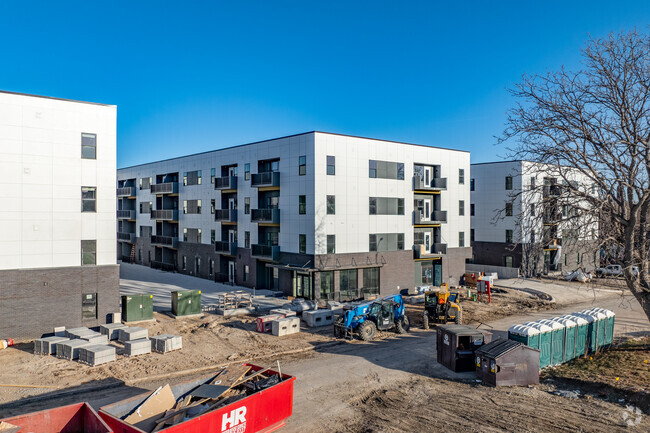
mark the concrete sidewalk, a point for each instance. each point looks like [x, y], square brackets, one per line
[562, 293]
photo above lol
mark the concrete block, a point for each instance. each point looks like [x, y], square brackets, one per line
[70, 349]
[132, 333]
[263, 323]
[137, 347]
[115, 318]
[59, 331]
[318, 318]
[286, 326]
[112, 330]
[96, 339]
[166, 343]
[283, 311]
[96, 354]
[47, 345]
[79, 332]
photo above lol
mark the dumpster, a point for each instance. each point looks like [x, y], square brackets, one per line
[507, 363]
[456, 345]
[557, 341]
[545, 341]
[609, 324]
[262, 411]
[137, 307]
[570, 330]
[186, 302]
[75, 418]
[582, 332]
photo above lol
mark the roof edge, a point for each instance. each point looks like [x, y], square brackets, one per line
[56, 99]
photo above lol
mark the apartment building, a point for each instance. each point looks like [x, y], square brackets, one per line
[57, 214]
[315, 215]
[522, 217]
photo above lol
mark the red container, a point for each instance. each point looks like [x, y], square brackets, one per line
[264, 411]
[264, 322]
[76, 418]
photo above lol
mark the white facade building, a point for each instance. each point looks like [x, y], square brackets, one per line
[57, 180]
[314, 215]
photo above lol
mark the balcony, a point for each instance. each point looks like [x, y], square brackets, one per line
[436, 184]
[126, 191]
[228, 182]
[551, 217]
[229, 248]
[164, 214]
[271, 252]
[271, 216]
[126, 237]
[164, 188]
[165, 241]
[225, 215]
[126, 214]
[271, 178]
[436, 217]
[420, 251]
[163, 266]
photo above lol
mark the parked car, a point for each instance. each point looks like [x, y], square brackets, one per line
[614, 271]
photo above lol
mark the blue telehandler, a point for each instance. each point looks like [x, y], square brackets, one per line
[365, 319]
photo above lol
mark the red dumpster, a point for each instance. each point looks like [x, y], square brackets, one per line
[261, 412]
[76, 418]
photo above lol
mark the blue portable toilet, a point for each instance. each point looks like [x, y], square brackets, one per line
[570, 332]
[582, 333]
[609, 324]
[545, 343]
[557, 341]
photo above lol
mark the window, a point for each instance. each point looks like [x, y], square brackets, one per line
[418, 238]
[508, 261]
[509, 209]
[145, 231]
[508, 183]
[385, 169]
[331, 244]
[532, 209]
[372, 244]
[326, 284]
[213, 206]
[371, 281]
[246, 270]
[461, 176]
[302, 204]
[461, 207]
[461, 239]
[508, 236]
[331, 205]
[88, 253]
[247, 171]
[88, 146]
[247, 205]
[197, 266]
[211, 267]
[400, 241]
[213, 236]
[532, 183]
[348, 283]
[302, 244]
[192, 178]
[427, 273]
[385, 206]
[386, 242]
[191, 206]
[247, 239]
[213, 174]
[472, 184]
[145, 183]
[148, 255]
[400, 206]
[302, 165]
[471, 209]
[471, 235]
[88, 199]
[145, 207]
[331, 165]
[192, 235]
[373, 206]
[532, 236]
[184, 263]
[89, 306]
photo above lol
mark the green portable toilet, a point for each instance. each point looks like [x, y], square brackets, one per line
[524, 334]
[601, 323]
[557, 340]
[186, 302]
[582, 332]
[570, 330]
[137, 307]
[592, 331]
[609, 324]
[545, 342]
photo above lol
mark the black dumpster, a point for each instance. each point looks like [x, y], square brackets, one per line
[456, 345]
[507, 363]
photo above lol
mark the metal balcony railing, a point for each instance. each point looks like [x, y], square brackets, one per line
[165, 241]
[126, 191]
[227, 182]
[162, 265]
[164, 188]
[436, 184]
[229, 248]
[436, 217]
[126, 214]
[270, 178]
[126, 237]
[225, 215]
[266, 251]
[420, 251]
[265, 216]
[164, 214]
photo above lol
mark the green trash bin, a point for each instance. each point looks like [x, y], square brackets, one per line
[524, 334]
[186, 302]
[609, 324]
[582, 333]
[545, 343]
[137, 307]
[557, 342]
[570, 330]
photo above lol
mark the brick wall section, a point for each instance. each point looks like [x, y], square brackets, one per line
[34, 301]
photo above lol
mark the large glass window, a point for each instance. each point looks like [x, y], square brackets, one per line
[88, 252]
[371, 281]
[348, 284]
[331, 205]
[88, 146]
[331, 165]
[385, 169]
[326, 284]
[88, 199]
[427, 274]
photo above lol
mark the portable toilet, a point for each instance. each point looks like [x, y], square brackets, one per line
[592, 331]
[582, 331]
[545, 342]
[557, 341]
[609, 324]
[601, 323]
[570, 331]
[524, 334]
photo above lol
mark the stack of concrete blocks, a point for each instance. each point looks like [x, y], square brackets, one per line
[70, 349]
[96, 338]
[141, 346]
[59, 331]
[82, 332]
[336, 307]
[96, 354]
[132, 333]
[300, 305]
[283, 312]
[112, 330]
[318, 318]
[166, 343]
[47, 345]
[264, 323]
[286, 326]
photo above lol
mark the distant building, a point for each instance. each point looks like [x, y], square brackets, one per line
[521, 217]
[57, 214]
[315, 215]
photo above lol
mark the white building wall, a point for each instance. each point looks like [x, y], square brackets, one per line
[41, 175]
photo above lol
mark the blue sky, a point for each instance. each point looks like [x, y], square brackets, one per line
[191, 76]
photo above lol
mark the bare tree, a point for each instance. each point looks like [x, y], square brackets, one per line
[597, 122]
